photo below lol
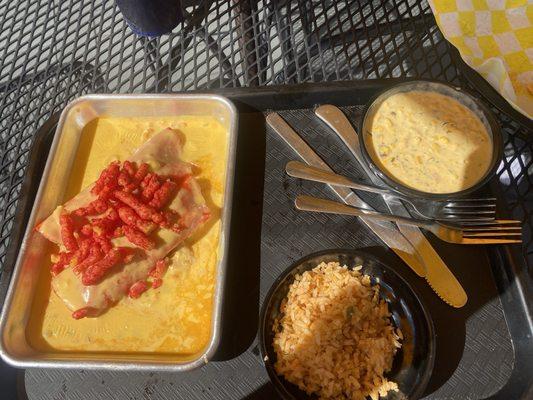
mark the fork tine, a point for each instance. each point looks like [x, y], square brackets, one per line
[488, 200]
[489, 241]
[498, 228]
[452, 206]
[467, 212]
[466, 221]
[497, 222]
[489, 234]
[479, 199]
[495, 228]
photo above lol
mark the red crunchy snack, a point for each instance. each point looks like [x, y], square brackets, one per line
[141, 172]
[95, 272]
[144, 211]
[138, 238]
[95, 255]
[67, 232]
[119, 213]
[107, 234]
[131, 218]
[163, 195]
[81, 313]
[137, 289]
[62, 262]
[149, 186]
[107, 178]
[157, 272]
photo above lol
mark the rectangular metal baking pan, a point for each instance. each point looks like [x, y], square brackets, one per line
[14, 347]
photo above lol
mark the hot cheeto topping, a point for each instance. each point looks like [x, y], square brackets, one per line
[130, 201]
[137, 289]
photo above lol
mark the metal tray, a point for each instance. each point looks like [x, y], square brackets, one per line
[484, 350]
[14, 347]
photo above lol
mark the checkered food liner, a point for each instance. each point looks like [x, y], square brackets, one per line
[494, 37]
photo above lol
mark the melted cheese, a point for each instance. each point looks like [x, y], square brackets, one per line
[176, 318]
[430, 142]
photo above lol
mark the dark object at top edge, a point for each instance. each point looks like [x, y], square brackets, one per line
[151, 17]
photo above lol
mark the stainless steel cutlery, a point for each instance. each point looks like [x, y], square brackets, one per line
[451, 210]
[482, 232]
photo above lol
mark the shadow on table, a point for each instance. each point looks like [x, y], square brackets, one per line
[241, 303]
[267, 391]
[449, 322]
[11, 383]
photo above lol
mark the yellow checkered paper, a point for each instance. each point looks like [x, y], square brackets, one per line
[495, 37]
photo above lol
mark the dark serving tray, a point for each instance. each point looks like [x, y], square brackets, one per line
[484, 350]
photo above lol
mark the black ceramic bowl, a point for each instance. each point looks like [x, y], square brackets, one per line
[413, 363]
[469, 101]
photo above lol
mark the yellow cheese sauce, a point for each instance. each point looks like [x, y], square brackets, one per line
[175, 318]
[430, 142]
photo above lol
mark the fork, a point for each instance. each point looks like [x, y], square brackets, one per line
[450, 210]
[482, 232]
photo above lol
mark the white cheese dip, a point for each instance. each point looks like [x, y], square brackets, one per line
[429, 142]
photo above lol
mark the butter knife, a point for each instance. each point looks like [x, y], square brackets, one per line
[386, 231]
[438, 275]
